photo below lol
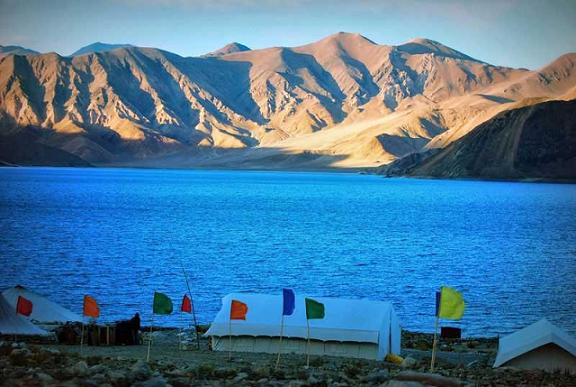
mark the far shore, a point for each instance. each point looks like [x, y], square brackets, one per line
[262, 168]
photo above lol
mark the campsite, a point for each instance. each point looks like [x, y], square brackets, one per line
[327, 342]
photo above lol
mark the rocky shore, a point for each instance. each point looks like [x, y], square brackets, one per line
[461, 363]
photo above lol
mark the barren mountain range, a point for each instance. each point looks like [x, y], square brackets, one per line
[341, 102]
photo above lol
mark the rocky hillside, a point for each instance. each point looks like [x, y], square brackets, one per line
[533, 142]
[342, 102]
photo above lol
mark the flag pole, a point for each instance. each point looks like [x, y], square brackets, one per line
[434, 343]
[192, 305]
[230, 336]
[82, 337]
[180, 333]
[280, 344]
[150, 337]
[307, 342]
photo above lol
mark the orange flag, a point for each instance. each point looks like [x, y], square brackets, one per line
[238, 310]
[91, 308]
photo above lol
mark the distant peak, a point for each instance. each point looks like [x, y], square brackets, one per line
[230, 48]
[564, 61]
[428, 46]
[16, 50]
[348, 36]
[99, 47]
[423, 41]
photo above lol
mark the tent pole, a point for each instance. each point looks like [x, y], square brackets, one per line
[434, 343]
[307, 342]
[191, 304]
[280, 344]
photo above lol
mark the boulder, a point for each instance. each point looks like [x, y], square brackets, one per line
[99, 378]
[409, 362]
[399, 383]
[117, 377]
[154, 382]
[376, 377]
[79, 369]
[19, 356]
[96, 369]
[44, 378]
[428, 379]
[140, 370]
[180, 382]
[240, 377]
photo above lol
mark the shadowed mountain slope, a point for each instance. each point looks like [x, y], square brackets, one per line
[537, 141]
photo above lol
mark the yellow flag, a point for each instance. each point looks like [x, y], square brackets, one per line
[451, 304]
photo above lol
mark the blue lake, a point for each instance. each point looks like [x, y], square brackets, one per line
[120, 234]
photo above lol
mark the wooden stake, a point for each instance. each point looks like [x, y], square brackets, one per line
[308, 343]
[434, 343]
[280, 343]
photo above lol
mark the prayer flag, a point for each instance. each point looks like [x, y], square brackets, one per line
[289, 302]
[91, 308]
[314, 309]
[451, 304]
[162, 304]
[24, 306]
[238, 310]
[186, 305]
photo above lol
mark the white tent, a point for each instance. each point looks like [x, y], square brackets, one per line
[14, 324]
[351, 328]
[43, 310]
[541, 345]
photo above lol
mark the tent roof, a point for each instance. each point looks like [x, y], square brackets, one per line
[533, 336]
[13, 324]
[43, 310]
[345, 320]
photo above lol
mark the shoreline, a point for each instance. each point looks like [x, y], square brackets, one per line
[457, 365]
[371, 171]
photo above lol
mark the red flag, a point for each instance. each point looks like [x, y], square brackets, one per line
[186, 305]
[238, 310]
[24, 306]
[91, 308]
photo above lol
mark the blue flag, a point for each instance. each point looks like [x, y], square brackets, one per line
[289, 302]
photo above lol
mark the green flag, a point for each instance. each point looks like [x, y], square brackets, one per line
[314, 309]
[162, 304]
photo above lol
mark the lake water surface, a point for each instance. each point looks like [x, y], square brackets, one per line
[120, 234]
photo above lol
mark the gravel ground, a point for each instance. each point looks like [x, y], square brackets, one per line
[460, 363]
